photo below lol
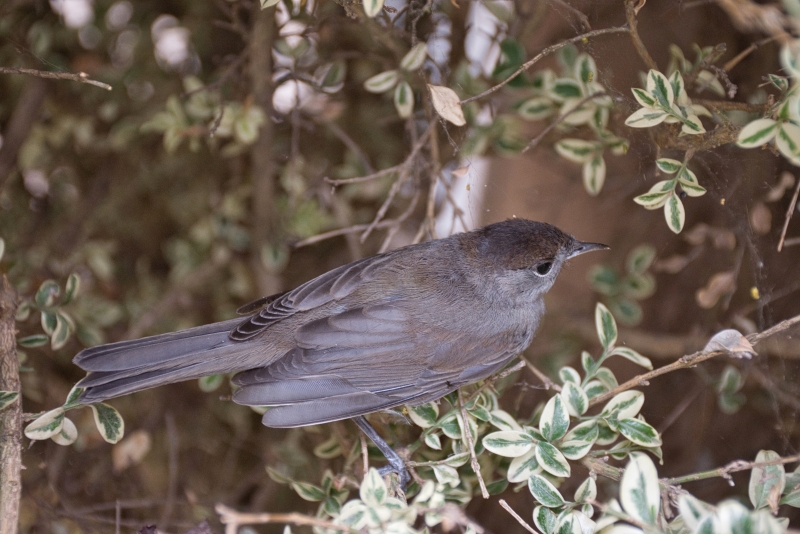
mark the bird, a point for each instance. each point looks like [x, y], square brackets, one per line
[405, 327]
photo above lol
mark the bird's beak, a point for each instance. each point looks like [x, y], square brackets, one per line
[581, 247]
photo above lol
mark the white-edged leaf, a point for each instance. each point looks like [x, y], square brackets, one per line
[415, 57]
[575, 399]
[625, 404]
[108, 421]
[544, 492]
[674, 213]
[554, 421]
[551, 460]
[659, 88]
[382, 82]
[644, 98]
[605, 325]
[790, 58]
[586, 431]
[652, 201]
[308, 492]
[787, 141]
[433, 441]
[536, 108]
[373, 489]
[72, 288]
[639, 493]
[692, 510]
[645, 118]
[639, 432]
[36, 340]
[61, 334]
[404, 100]
[569, 374]
[632, 355]
[425, 415]
[504, 421]
[585, 68]
[508, 443]
[446, 475]
[678, 88]
[594, 175]
[7, 398]
[692, 125]
[68, 433]
[522, 467]
[372, 7]
[565, 89]
[544, 519]
[2, 248]
[767, 482]
[587, 491]
[268, 3]
[669, 166]
[576, 150]
[447, 104]
[757, 133]
[210, 383]
[575, 450]
[46, 426]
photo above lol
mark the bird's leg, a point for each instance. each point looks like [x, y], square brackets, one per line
[396, 464]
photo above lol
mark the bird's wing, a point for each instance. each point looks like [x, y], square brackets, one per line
[368, 359]
[328, 287]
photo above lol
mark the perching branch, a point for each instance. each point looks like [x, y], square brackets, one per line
[631, 9]
[81, 77]
[233, 520]
[11, 416]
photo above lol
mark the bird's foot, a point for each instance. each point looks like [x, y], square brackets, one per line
[396, 464]
[401, 471]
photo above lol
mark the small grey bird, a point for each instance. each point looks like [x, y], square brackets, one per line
[403, 327]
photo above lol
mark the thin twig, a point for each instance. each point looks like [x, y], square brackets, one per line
[746, 52]
[725, 105]
[690, 360]
[467, 434]
[789, 213]
[516, 516]
[561, 118]
[549, 50]
[364, 452]
[548, 384]
[732, 467]
[233, 519]
[81, 77]
[638, 44]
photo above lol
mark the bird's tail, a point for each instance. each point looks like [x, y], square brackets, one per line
[129, 366]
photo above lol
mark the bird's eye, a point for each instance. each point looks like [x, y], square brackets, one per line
[543, 268]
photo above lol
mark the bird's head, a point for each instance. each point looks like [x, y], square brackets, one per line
[524, 255]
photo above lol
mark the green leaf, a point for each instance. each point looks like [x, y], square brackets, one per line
[692, 124]
[730, 403]
[210, 383]
[788, 142]
[73, 396]
[585, 69]
[692, 510]
[536, 108]
[36, 340]
[450, 426]
[46, 294]
[575, 450]
[606, 435]
[433, 441]
[625, 404]
[522, 467]
[640, 259]
[575, 399]
[731, 380]
[632, 355]
[509, 443]
[380, 83]
[644, 98]
[676, 81]
[780, 82]
[551, 460]
[373, 489]
[645, 118]
[660, 89]
[404, 100]
[594, 175]
[757, 133]
[586, 431]
[277, 476]
[654, 199]
[639, 432]
[554, 421]
[330, 448]
[565, 89]
[588, 363]
[587, 491]
[605, 325]
[544, 519]
[594, 388]
[640, 495]
[692, 188]
[669, 166]
[108, 422]
[61, 332]
[46, 426]
[568, 374]
[67, 435]
[576, 150]
[7, 398]
[674, 213]
[415, 57]
[767, 482]
[544, 492]
[72, 288]
[372, 7]
[308, 492]
[425, 415]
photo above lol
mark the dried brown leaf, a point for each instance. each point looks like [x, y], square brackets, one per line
[720, 284]
[131, 450]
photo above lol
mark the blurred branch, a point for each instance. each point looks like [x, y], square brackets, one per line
[688, 361]
[789, 213]
[233, 520]
[748, 16]
[81, 77]
[19, 124]
[11, 416]
[549, 50]
[516, 516]
[561, 118]
[732, 467]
